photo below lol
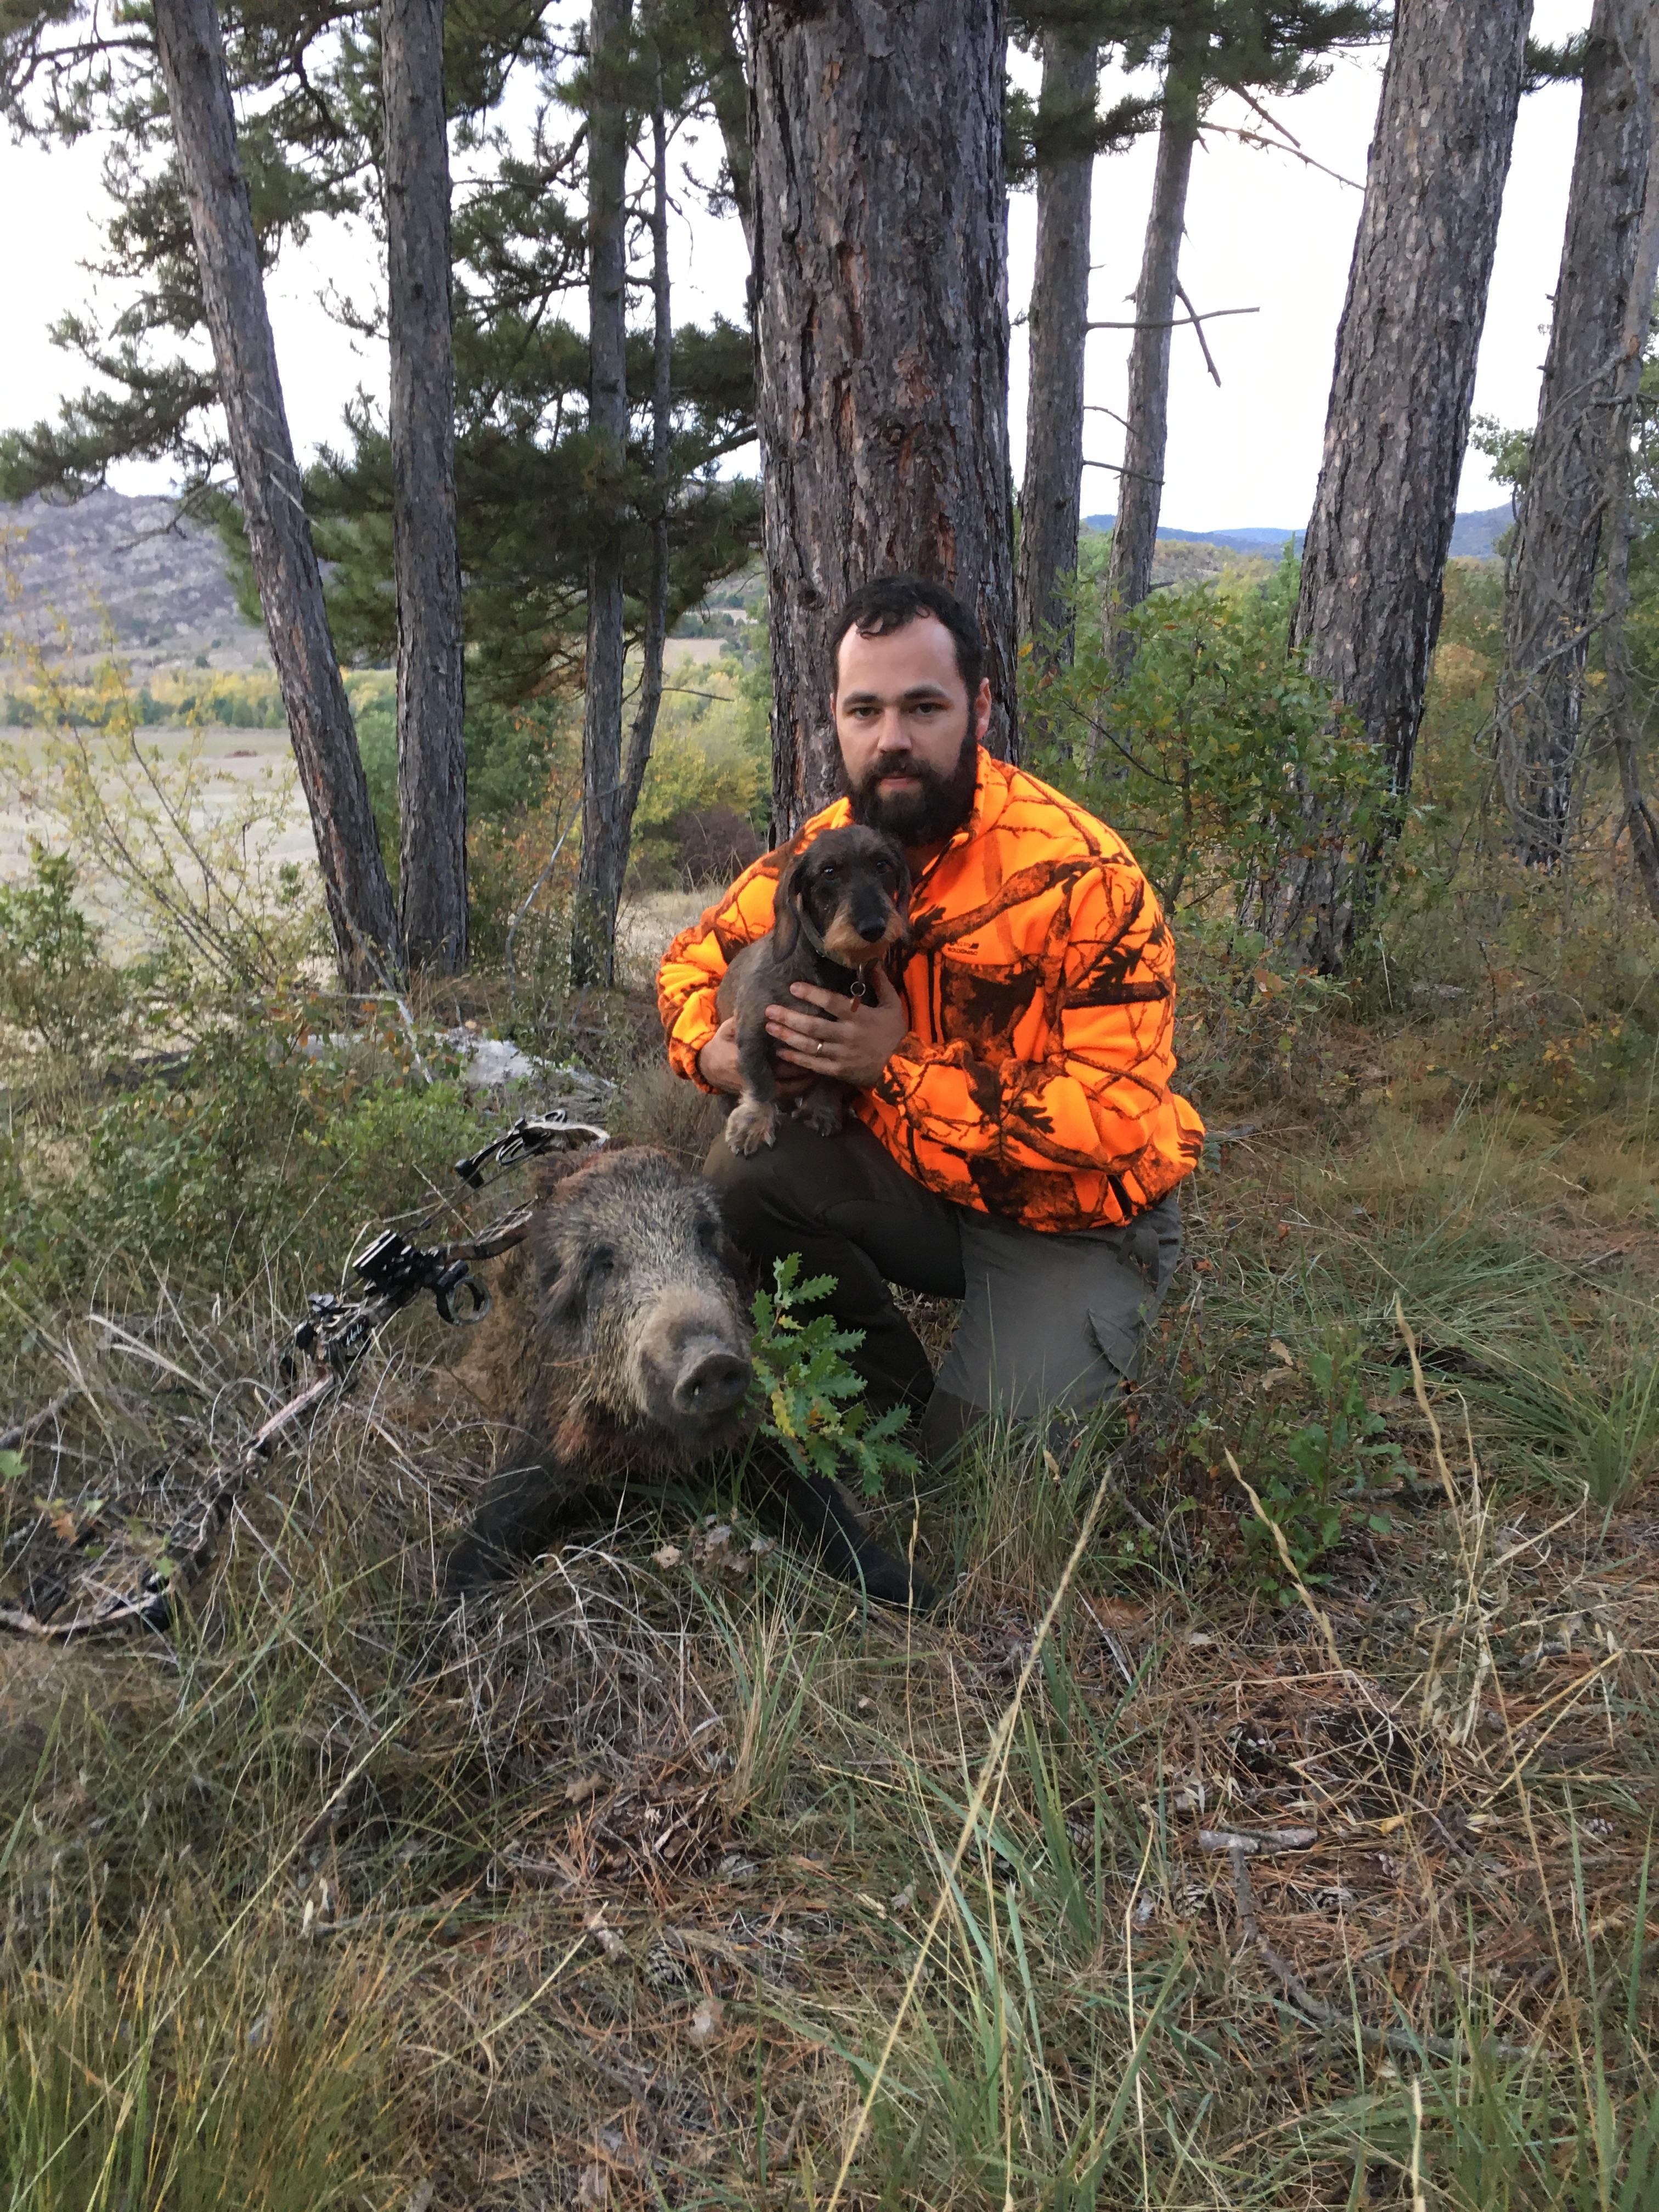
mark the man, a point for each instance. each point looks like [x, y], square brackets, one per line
[1014, 1141]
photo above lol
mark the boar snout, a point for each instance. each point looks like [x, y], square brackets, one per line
[711, 1379]
[694, 1361]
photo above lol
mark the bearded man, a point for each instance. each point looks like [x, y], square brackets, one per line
[1014, 1141]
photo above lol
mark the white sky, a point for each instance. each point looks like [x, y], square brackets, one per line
[1263, 231]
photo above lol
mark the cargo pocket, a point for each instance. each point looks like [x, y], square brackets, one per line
[1119, 1345]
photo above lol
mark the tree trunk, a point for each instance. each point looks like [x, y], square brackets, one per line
[1375, 548]
[191, 51]
[1618, 702]
[1559, 539]
[426, 558]
[881, 330]
[604, 825]
[1140, 486]
[644, 731]
[1051, 498]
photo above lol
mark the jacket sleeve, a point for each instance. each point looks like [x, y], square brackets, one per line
[692, 968]
[1099, 1060]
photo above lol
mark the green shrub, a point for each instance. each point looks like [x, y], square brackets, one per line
[251, 1162]
[1202, 753]
[1322, 1476]
[54, 985]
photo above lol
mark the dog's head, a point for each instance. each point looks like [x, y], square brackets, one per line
[854, 886]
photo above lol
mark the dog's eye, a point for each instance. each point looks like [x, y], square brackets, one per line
[827, 873]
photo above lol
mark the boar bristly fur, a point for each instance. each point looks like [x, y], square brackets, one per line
[618, 1346]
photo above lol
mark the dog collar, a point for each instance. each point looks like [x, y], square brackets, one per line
[855, 987]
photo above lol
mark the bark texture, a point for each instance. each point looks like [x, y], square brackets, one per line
[1560, 535]
[881, 331]
[1051, 497]
[1619, 703]
[431, 747]
[643, 732]
[1398, 421]
[1140, 486]
[191, 51]
[605, 818]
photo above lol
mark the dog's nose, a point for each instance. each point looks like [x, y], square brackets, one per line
[873, 931]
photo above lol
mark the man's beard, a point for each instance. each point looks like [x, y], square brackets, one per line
[928, 815]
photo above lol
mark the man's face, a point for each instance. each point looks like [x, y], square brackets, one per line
[908, 731]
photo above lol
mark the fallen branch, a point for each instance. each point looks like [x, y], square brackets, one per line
[1257, 1843]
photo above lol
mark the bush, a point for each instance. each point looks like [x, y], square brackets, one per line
[1202, 754]
[54, 985]
[252, 1159]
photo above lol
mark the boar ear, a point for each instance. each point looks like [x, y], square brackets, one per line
[561, 1287]
[786, 905]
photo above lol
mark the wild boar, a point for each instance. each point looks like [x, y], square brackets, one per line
[619, 1345]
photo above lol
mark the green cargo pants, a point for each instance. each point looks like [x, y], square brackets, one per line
[1049, 1323]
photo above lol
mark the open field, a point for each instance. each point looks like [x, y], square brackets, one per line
[238, 768]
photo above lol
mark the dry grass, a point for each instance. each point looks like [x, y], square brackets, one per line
[1334, 1905]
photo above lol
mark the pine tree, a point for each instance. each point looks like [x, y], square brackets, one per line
[1398, 422]
[1602, 298]
[881, 328]
[421, 421]
[1209, 47]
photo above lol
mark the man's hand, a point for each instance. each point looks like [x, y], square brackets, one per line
[717, 1064]
[850, 1039]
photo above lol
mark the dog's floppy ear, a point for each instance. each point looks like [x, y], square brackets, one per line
[786, 905]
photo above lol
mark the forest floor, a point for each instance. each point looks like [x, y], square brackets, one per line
[1166, 1870]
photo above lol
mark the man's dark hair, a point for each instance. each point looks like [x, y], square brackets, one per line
[890, 603]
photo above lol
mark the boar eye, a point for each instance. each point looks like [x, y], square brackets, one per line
[600, 1264]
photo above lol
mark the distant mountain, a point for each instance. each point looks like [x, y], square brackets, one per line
[1474, 537]
[1263, 543]
[125, 577]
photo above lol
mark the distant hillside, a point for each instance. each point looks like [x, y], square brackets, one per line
[1474, 537]
[125, 577]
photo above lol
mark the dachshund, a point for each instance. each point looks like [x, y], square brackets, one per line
[842, 902]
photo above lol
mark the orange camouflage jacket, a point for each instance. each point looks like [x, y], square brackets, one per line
[1034, 1080]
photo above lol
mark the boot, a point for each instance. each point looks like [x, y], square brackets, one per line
[820, 1515]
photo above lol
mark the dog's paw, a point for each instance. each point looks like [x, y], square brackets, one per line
[752, 1123]
[820, 1109]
